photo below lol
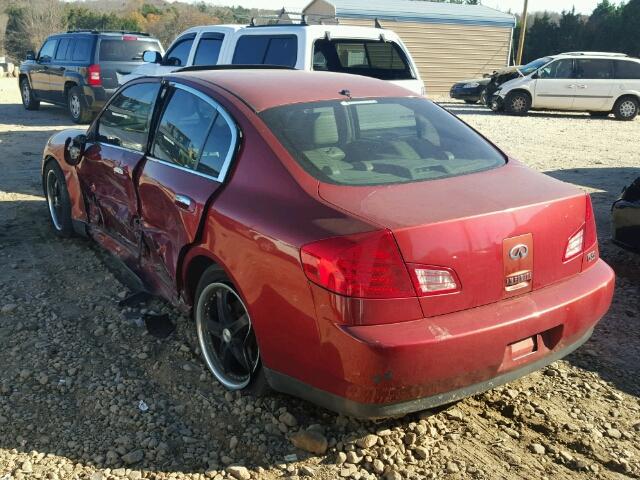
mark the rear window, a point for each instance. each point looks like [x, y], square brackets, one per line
[380, 141]
[266, 50]
[373, 58]
[118, 50]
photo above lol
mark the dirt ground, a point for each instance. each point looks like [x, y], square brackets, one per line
[75, 366]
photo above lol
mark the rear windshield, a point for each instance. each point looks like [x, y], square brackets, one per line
[372, 58]
[118, 50]
[380, 141]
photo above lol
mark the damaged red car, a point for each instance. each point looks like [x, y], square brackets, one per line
[335, 237]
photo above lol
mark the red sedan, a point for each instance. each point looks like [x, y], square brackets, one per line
[335, 237]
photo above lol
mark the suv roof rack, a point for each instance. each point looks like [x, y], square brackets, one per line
[95, 31]
[292, 19]
[598, 54]
[200, 68]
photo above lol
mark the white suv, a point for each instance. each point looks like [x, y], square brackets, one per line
[595, 82]
[374, 52]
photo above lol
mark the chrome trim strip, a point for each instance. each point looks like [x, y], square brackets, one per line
[573, 95]
[180, 167]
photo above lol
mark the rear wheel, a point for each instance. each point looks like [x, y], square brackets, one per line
[226, 335]
[626, 108]
[517, 103]
[78, 109]
[58, 200]
[28, 100]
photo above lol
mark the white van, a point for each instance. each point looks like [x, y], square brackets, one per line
[596, 82]
[373, 52]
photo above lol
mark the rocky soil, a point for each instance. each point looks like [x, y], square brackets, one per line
[87, 393]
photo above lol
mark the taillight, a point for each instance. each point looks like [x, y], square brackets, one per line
[364, 265]
[585, 238]
[430, 280]
[94, 75]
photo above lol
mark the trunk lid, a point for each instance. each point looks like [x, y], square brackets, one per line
[471, 224]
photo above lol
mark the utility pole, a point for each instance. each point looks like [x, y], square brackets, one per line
[523, 29]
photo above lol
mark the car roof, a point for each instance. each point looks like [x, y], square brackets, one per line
[287, 28]
[263, 89]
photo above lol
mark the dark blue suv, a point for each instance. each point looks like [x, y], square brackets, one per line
[80, 69]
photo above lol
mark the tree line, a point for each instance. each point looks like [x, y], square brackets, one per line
[609, 28]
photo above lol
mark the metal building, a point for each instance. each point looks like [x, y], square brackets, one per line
[449, 42]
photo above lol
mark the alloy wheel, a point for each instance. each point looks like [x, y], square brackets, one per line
[628, 108]
[74, 106]
[26, 94]
[54, 199]
[518, 104]
[226, 336]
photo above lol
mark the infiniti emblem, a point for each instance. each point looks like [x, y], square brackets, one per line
[519, 251]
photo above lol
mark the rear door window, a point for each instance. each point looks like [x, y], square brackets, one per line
[125, 50]
[626, 69]
[178, 54]
[373, 58]
[266, 50]
[125, 122]
[594, 69]
[61, 53]
[208, 49]
[183, 129]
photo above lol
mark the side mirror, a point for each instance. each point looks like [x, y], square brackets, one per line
[151, 56]
[535, 75]
[74, 149]
[31, 55]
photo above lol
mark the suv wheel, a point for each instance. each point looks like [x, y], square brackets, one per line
[28, 100]
[517, 103]
[626, 108]
[79, 112]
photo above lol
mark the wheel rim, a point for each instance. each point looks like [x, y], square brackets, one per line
[74, 106]
[25, 93]
[628, 108]
[226, 336]
[53, 199]
[518, 104]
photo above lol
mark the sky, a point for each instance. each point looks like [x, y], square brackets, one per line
[582, 6]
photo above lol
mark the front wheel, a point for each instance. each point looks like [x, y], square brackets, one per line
[226, 335]
[78, 109]
[626, 108]
[28, 100]
[517, 103]
[55, 189]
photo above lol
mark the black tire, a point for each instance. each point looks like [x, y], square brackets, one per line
[626, 108]
[517, 103]
[599, 114]
[78, 109]
[213, 282]
[28, 100]
[470, 102]
[58, 202]
[483, 98]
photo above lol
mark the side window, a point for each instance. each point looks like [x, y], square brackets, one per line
[47, 50]
[178, 55]
[266, 50]
[216, 148]
[72, 45]
[594, 69]
[82, 51]
[559, 69]
[627, 70]
[61, 53]
[126, 120]
[208, 49]
[183, 129]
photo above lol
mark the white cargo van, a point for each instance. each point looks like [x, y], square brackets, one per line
[373, 52]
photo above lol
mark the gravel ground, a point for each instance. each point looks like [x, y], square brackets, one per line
[87, 393]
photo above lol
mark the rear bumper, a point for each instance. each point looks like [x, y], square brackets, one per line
[393, 369]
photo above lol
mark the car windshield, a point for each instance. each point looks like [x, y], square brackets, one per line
[372, 58]
[533, 66]
[380, 141]
[125, 50]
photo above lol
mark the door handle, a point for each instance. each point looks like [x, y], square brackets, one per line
[582, 86]
[183, 201]
[571, 86]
